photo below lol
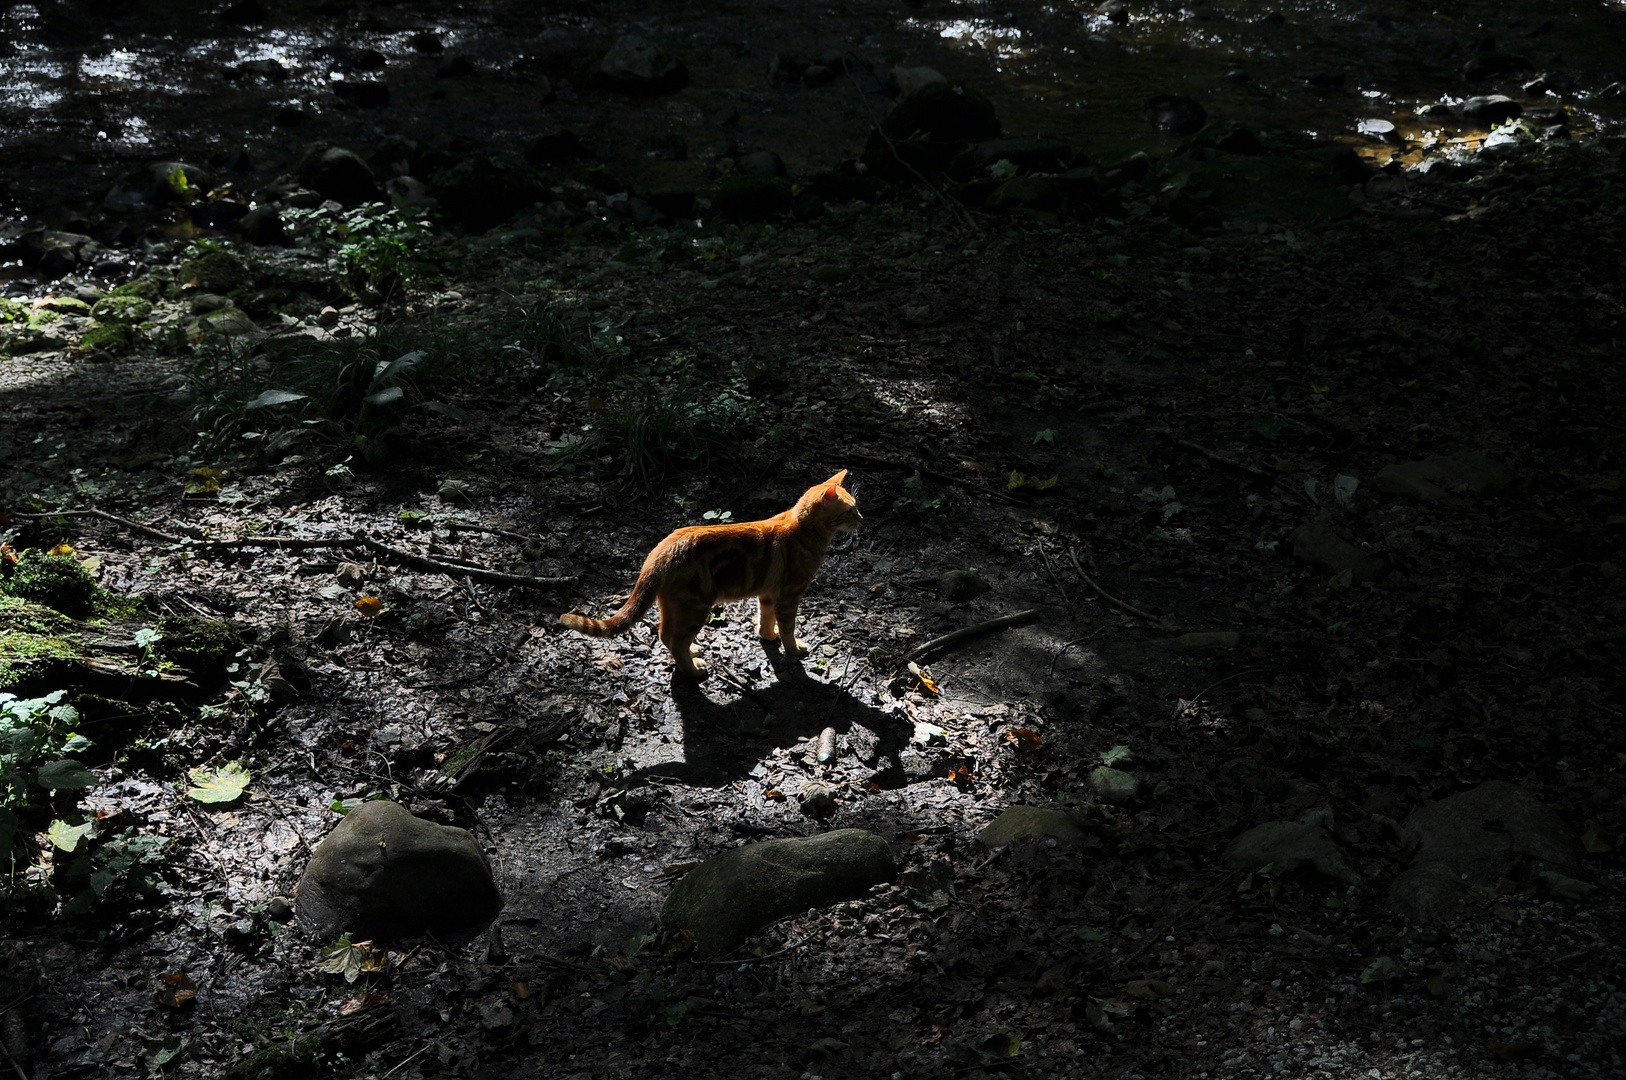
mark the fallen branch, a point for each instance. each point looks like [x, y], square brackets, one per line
[286, 542]
[490, 577]
[972, 631]
[1108, 597]
[1229, 463]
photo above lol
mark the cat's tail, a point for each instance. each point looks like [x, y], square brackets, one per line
[641, 600]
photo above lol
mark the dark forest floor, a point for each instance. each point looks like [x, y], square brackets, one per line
[1111, 356]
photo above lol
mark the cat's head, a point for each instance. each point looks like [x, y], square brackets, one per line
[832, 505]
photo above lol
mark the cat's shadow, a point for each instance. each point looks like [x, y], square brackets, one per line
[728, 724]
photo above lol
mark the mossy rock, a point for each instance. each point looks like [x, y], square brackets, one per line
[204, 646]
[215, 271]
[144, 287]
[121, 309]
[752, 198]
[56, 581]
[108, 338]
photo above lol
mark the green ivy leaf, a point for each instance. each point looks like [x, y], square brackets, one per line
[68, 837]
[222, 785]
[66, 773]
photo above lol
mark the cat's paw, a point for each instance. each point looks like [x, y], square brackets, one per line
[800, 648]
[696, 670]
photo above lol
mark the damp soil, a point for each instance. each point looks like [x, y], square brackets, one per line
[1197, 398]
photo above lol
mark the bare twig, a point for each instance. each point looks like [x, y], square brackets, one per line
[1229, 463]
[1108, 597]
[1045, 554]
[490, 577]
[954, 205]
[973, 630]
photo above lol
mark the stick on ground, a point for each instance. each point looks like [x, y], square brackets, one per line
[973, 630]
[1103, 594]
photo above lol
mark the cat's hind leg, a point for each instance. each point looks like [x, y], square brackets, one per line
[767, 619]
[679, 628]
[785, 611]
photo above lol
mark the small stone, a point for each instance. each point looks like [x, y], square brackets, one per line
[1491, 110]
[1430, 478]
[637, 66]
[1286, 846]
[1318, 544]
[1022, 822]
[1114, 11]
[760, 163]
[263, 225]
[203, 303]
[1238, 75]
[912, 80]
[962, 586]
[337, 173]
[1114, 786]
[329, 315]
[280, 908]
[1175, 114]
[734, 894]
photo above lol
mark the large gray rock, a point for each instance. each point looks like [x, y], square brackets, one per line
[382, 873]
[1431, 478]
[1498, 830]
[733, 895]
[1317, 543]
[1288, 846]
[1022, 822]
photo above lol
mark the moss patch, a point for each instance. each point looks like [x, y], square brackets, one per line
[121, 309]
[110, 337]
[57, 581]
[214, 272]
[204, 646]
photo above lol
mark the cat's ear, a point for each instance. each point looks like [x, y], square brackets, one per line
[834, 482]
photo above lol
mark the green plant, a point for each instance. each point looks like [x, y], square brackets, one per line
[35, 733]
[378, 246]
[125, 856]
[651, 418]
[917, 498]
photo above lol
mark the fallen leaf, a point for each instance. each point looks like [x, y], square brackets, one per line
[178, 990]
[222, 785]
[369, 607]
[1054, 983]
[352, 958]
[62, 549]
[1024, 738]
[359, 1002]
[521, 990]
[1148, 989]
[773, 793]
[622, 964]
[960, 774]
[681, 943]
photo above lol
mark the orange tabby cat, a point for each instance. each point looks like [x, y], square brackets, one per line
[773, 560]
